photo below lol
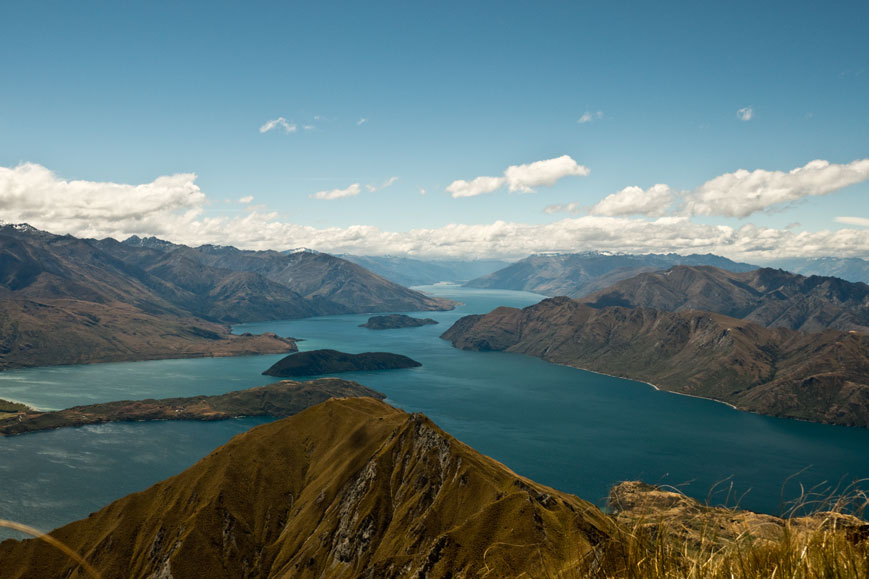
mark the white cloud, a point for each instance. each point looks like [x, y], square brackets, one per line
[279, 122]
[170, 207]
[745, 113]
[573, 208]
[478, 186]
[742, 193]
[330, 194]
[654, 202]
[525, 177]
[589, 116]
[246, 199]
[521, 178]
[309, 127]
[33, 194]
[862, 221]
[361, 121]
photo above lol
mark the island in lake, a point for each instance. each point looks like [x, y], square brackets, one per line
[280, 399]
[394, 321]
[317, 362]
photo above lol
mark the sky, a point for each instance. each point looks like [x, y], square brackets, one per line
[442, 129]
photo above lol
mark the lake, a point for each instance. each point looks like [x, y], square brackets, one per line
[577, 431]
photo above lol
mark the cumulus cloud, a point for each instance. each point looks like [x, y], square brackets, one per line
[246, 199]
[562, 208]
[330, 194]
[654, 202]
[745, 113]
[522, 178]
[589, 116]
[478, 186]
[278, 123]
[862, 221]
[525, 177]
[742, 193]
[170, 207]
[33, 194]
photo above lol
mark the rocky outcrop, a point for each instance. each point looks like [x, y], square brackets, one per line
[348, 488]
[395, 321]
[319, 362]
[821, 377]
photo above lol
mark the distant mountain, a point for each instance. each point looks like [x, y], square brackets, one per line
[770, 297]
[348, 488]
[409, 271]
[821, 377]
[576, 274]
[847, 268]
[65, 300]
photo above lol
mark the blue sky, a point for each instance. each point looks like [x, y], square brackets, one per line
[432, 93]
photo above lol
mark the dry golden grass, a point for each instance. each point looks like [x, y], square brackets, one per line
[663, 534]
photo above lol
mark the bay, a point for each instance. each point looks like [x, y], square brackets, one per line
[574, 430]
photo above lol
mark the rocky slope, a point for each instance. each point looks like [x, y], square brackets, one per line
[822, 377]
[395, 321]
[65, 300]
[319, 362]
[280, 399]
[348, 488]
[770, 297]
[576, 274]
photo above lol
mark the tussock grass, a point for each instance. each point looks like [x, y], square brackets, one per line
[662, 533]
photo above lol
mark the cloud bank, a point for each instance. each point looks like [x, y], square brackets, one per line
[171, 207]
[521, 178]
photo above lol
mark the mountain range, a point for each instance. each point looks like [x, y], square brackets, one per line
[769, 297]
[65, 300]
[847, 268]
[822, 377]
[576, 274]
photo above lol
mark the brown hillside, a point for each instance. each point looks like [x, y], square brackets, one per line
[348, 488]
[822, 377]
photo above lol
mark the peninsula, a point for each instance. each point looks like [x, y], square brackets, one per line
[280, 399]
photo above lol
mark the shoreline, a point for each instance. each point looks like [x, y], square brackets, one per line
[654, 386]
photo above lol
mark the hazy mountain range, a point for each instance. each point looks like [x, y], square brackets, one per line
[410, 271]
[576, 274]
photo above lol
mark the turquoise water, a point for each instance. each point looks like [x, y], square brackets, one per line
[577, 431]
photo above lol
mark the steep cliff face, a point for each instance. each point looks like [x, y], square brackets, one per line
[769, 297]
[822, 377]
[348, 488]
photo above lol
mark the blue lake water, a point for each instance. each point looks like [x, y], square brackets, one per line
[576, 431]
